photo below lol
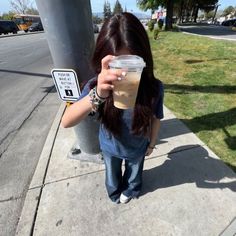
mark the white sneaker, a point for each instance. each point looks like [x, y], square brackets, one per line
[124, 199]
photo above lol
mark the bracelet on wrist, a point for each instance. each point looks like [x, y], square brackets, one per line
[102, 98]
[152, 147]
[95, 99]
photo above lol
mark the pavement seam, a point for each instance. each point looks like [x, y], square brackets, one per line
[229, 229]
[11, 199]
[71, 177]
[172, 152]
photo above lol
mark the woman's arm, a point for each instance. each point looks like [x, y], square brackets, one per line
[76, 112]
[155, 127]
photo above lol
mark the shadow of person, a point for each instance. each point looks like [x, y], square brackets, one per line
[189, 164]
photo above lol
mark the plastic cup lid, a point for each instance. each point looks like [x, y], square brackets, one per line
[127, 61]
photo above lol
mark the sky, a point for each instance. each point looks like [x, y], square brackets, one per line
[97, 5]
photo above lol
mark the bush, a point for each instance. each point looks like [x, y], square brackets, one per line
[156, 33]
[151, 24]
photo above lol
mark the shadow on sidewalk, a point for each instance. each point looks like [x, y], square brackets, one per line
[194, 165]
[171, 128]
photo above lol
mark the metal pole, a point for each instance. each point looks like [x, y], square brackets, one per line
[213, 19]
[69, 31]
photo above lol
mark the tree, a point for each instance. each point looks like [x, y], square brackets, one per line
[204, 5]
[154, 4]
[96, 19]
[20, 6]
[117, 8]
[8, 16]
[106, 10]
[209, 15]
[228, 10]
[32, 11]
[185, 9]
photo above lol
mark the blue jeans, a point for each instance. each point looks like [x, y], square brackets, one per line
[130, 183]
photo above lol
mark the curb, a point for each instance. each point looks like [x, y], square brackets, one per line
[29, 211]
[12, 35]
[212, 37]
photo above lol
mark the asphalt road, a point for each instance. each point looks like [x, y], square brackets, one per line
[212, 31]
[28, 105]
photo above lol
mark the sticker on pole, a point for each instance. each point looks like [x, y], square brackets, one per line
[66, 83]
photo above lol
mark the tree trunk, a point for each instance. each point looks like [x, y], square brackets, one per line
[196, 14]
[169, 14]
[181, 12]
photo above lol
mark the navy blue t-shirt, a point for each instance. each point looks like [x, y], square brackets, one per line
[127, 145]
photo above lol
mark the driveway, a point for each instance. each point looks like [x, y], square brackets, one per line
[211, 31]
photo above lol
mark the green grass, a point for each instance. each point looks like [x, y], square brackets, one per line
[199, 75]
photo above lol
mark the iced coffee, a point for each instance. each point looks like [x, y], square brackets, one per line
[125, 90]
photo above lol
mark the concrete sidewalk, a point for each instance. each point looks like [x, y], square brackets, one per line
[187, 190]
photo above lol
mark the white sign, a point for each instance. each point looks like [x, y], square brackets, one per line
[66, 84]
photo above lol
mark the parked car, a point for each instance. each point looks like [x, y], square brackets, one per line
[8, 26]
[95, 28]
[228, 22]
[37, 26]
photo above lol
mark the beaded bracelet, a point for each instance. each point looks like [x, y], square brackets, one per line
[95, 99]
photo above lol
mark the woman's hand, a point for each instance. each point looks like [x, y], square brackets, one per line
[149, 151]
[107, 76]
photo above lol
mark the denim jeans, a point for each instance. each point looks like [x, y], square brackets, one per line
[130, 183]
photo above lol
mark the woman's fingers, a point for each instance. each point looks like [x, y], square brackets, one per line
[108, 76]
[105, 61]
[106, 86]
[117, 72]
[148, 152]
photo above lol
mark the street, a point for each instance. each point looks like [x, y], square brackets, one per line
[28, 106]
[212, 31]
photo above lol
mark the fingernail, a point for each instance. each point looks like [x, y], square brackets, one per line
[123, 73]
[119, 78]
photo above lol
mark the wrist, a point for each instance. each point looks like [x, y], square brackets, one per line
[151, 145]
[95, 99]
[100, 94]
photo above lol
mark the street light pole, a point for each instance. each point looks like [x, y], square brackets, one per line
[69, 31]
[215, 13]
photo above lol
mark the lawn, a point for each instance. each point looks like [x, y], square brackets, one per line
[199, 75]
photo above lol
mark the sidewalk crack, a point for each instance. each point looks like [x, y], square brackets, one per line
[11, 199]
[13, 132]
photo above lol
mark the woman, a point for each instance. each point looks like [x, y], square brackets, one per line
[129, 134]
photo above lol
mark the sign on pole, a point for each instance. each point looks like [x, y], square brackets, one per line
[66, 83]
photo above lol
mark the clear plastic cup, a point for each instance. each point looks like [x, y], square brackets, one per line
[125, 90]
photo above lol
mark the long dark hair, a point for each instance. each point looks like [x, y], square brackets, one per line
[125, 31]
